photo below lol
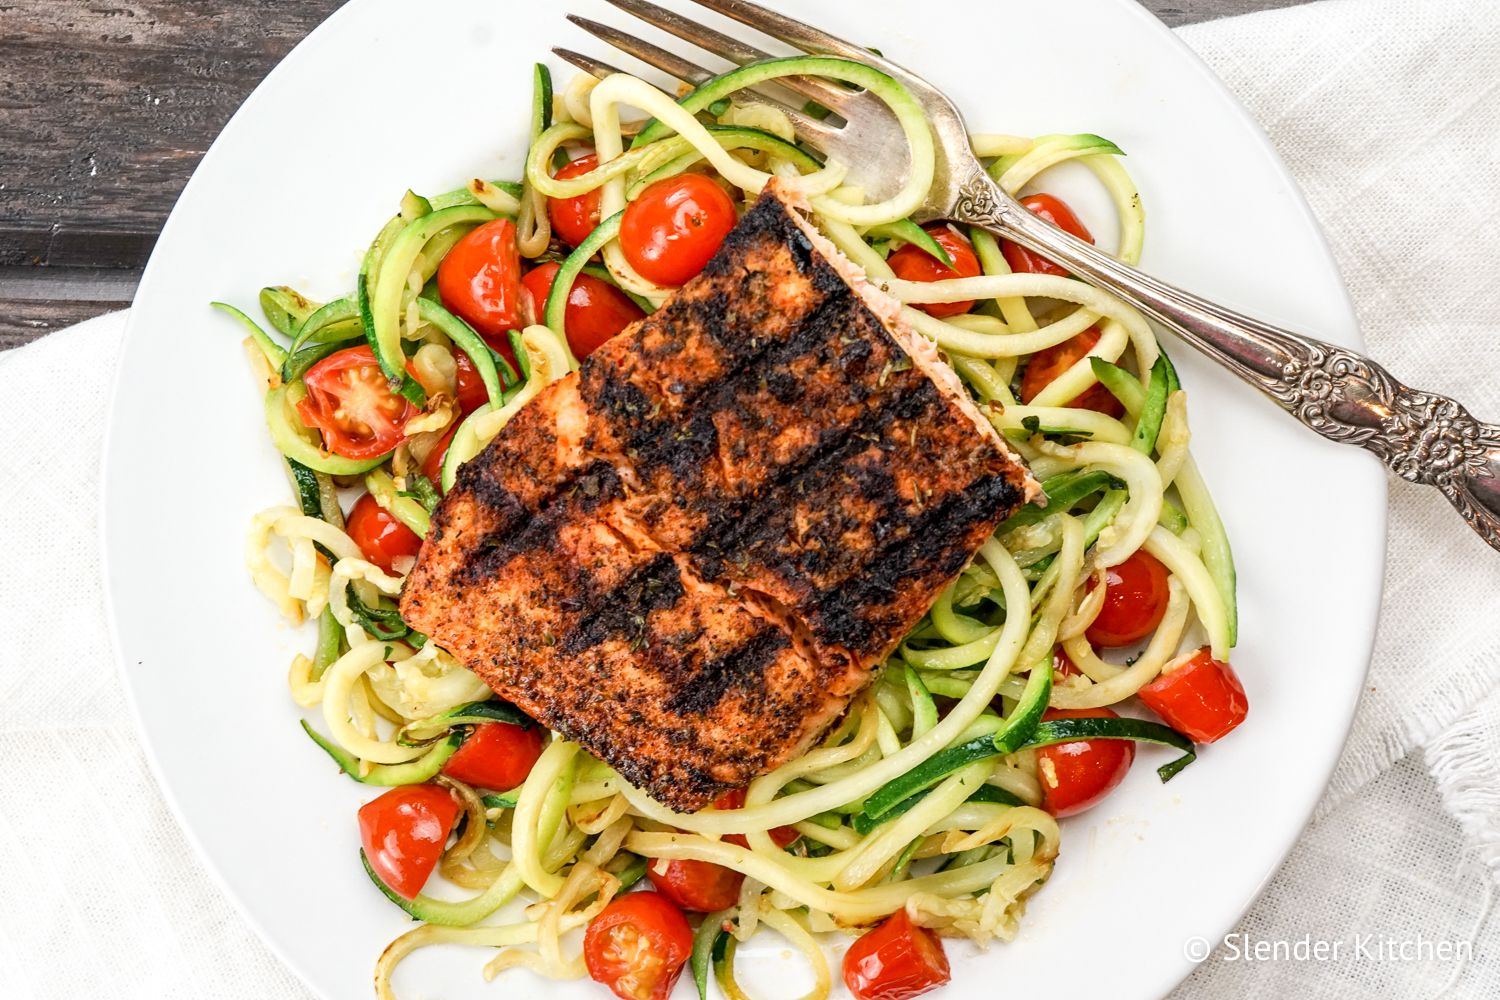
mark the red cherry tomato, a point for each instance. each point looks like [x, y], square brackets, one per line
[350, 401]
[637, 946]
[1202, 698]
[574, 218]
[1135, 599]
[480, 281]
[674, 226]
[1077, 775]
[380, 536]
[596, 309]
[895, 961]
[432, 465]
[1047, 364]
[697, 886]
[471, 391]
[1063, 665]
[403, 833]
[497, 755]
[912, 263]
[1055, 211]
[781, 836]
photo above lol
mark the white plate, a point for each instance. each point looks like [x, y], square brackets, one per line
[388, 95]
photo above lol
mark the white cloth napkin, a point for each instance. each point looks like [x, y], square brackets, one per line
[1387, 112]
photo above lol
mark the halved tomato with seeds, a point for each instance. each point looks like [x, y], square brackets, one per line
[351, 402]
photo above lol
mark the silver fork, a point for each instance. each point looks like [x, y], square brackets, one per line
[1422, 437]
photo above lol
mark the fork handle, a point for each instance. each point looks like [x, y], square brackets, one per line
[1422, 437]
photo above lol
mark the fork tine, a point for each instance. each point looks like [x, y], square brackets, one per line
[829, 95]
[588, 64]
[787, 29]
[647, 53]
[809, 127]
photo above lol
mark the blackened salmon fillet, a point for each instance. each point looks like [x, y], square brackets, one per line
[691, 554]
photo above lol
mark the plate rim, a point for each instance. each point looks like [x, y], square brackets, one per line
[1151, 23]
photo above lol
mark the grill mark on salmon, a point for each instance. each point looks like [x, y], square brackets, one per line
[692, 554]
[623, 611]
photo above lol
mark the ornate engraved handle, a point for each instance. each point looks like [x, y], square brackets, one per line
[1422, 437]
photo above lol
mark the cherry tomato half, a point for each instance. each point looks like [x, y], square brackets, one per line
[596, 309]
[1055, 211]
[912, 263]
[403, 833]
[674, 226]
[1063, 665]
[350, 401]
[471, 391]
[637, 946]
[1135, 599]
[574, 218]
[497, 755]
[781, 836]
[697, 886]
[432, 465]
[1077, 775]
[1201, 697]
[480, 281]
[1047, 364]
[895, 961]
[380, 536]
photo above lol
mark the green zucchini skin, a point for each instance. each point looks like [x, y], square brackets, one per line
[1013, 733]
[380, 291]
[466, 340]
[908, 231]
[285, 308]
[562, 282]
[443, 912]
[273, 352]
[1063, 491]
[294, 446]
[1070, 730]
[424, 768]
[541, 100]
[863, 823]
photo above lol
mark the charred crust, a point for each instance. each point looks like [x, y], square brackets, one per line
[745, 523]
[742, 669]
[624, 611]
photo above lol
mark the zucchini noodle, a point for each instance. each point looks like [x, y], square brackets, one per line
[924, 796]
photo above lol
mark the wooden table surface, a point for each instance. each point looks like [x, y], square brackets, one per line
[105, 109]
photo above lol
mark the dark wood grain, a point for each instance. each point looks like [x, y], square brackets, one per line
[106, 108]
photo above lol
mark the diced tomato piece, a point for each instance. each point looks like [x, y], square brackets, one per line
[1046, 365]
[1135, 601]
[596, 309]
[697, 886]
[895, 961]
[403, 833]
[573, 219]
[1055, 211]
[480, 281]
[432, 465]
[912, 263]
[1200, 697]
[781, 836]
[674, 226]
[471, 391]
[379, 534]
[350, 401]
[637, 946]
[1077, 775]
[497, 755]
